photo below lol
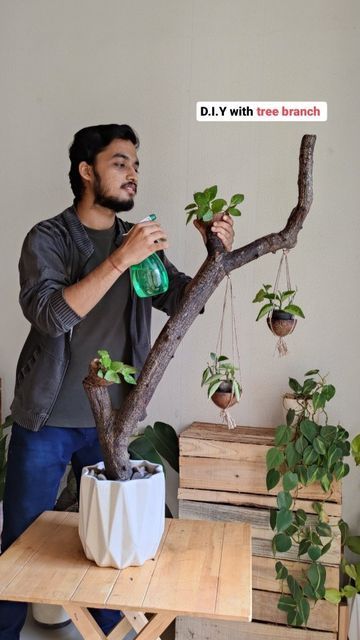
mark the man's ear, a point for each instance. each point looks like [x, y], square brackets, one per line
[86, 171]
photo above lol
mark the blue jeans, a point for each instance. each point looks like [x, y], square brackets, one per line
[36, 464]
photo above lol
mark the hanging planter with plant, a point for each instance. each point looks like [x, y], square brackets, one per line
[222, 376]
[279, 308]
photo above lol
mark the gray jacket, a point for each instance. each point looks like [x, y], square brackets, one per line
[52, 257]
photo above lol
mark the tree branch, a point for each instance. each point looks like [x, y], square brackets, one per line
[216, 266]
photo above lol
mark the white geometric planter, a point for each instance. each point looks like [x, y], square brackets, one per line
[121, 522]
[354, 617]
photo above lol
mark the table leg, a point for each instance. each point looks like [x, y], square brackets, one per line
[84, 622]
[147, 630]
[156, 626]
[121, 630]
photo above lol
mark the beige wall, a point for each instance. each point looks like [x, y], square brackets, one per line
[70, 63]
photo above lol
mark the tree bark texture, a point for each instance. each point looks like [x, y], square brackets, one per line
[116, 426]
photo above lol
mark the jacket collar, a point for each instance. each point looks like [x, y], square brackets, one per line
[81, 238]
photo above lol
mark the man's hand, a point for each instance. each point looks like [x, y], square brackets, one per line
[224, 229]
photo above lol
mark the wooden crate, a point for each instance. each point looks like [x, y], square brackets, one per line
[223, 477]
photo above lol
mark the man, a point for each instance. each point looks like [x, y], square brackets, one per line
[76, 293]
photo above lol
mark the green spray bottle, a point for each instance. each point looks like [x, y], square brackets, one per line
[149, 277]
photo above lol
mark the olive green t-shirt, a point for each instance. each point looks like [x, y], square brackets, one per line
[106, 326]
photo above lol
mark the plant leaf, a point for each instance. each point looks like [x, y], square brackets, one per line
[142, 449]
[290, 480]
[294, 310]
[264, 310]
[282, 435]
[211, 192]
[284, 499]
[282, 542]
[237, 198]
[284, 519]
[333, 596]
[165, 440]
[272, 478]
[274, 458]
[233, 211]
[218, 205]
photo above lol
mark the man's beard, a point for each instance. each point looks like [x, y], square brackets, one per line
[109, 202]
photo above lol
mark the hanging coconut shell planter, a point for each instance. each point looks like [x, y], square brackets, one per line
[279, 307]
[281, 323]
[222, 376]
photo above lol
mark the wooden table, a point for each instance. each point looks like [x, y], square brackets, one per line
[202, 569]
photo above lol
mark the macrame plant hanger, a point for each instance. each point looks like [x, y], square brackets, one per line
[225, 411]
[281, 328]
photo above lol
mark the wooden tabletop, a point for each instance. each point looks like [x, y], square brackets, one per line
[202, 569]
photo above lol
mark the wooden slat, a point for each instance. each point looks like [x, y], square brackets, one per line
[262, 533]
[264, 574]
[245, 476]
[18, 555]
[323, 615]
[236, 564]
[190, 560]
[343, 621]
[96, 586]
[251, 500]
[132, 583]
[212, 431]
[198, 629]
[55, 570]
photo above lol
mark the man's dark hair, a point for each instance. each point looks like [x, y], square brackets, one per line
[88, 142]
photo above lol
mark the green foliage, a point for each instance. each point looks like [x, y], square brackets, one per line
[112, 370]
[4, 433]
[355, 449]
[206, 205]
[279, 301]
[156, 444]
[307, 451]
[221, 370]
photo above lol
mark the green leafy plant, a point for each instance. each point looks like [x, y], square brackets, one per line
[278, 301]
[112, 370]
[206, 205]
[351, 570]
[4, 433]
[355, 449]
[220, 375]
[306, 451]
[156, 444]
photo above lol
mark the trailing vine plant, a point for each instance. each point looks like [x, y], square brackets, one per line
[307, 450]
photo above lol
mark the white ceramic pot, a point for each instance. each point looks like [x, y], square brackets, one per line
[354, 617]
[291, 402]
[50, 615]
[121, 522]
